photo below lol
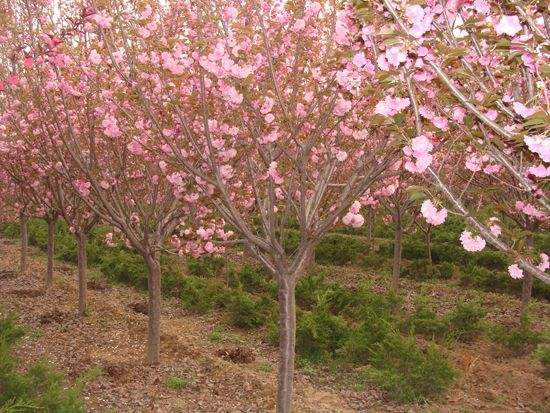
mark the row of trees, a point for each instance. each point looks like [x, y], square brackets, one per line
[189, 126]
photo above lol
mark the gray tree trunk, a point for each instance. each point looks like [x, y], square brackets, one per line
[82, 278]
[50, 251]
[24, 223]
[154, 273]
[287, 342]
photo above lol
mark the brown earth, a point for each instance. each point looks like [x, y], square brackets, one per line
[236, 371]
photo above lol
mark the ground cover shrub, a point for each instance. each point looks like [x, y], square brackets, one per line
[205, 266]
[242, 311]
[461, 324]
[336, 249]
[373, 261]
[419, 270]
[40, 387]
[519, 340]
[177, 383]
[542, 354]
[493, 260]
[406, 372]
[414, 248]
[445, 270]
[320, 333]
[202, 295]
[308, 289]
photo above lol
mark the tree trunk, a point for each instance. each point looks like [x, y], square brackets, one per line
[82, 267]
[527, 287]
[24, 222]
[429, 244]
[153, 341]
[50, 251]
[287, 342]
[397, 248]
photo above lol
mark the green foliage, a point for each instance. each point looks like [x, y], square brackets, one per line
[177, 383]
[461, 324]
[407, 373]
[492, 260]
[243, 311]
[336, 249]
[40, 388]
[414, 249]
[445, 270]
[319, 334]
[419, 270]
[308, 288]
[205, 266]
[202, 295]
[520, 340]
[542, 354]
[373, 261]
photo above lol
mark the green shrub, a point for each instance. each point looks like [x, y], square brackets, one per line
[243, 312]
[542, 354]
[202, 295]
[319, 334]
[461, 324]
[374, 261]
[520, 340]
[492, 260]
[335, 249]
[205, 266]
[308, 289]
[485, 279]
[360, 341]
[425, 321]
[40, 387]
[414, 249]
[124, 266]
[419, 270]
[9, 229]
[449, 252]
[465, 321]
[177, 383]
[445, 270]
[407, 373]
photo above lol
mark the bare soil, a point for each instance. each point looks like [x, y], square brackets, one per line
[236, 372]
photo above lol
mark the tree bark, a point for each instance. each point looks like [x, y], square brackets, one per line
[397, 248]
[287, 342]
[50, 251]
[82, 278]
[153, 341]
[527, 286]
[24, 223]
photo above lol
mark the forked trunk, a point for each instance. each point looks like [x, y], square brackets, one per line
[397, 248]
[153, 341]
[287, 343]
[24, 222]
[50, 252]
[82, 278]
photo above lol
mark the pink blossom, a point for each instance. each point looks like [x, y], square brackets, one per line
[109, 239]
[342, 106]
[231, 95]
[496, 230]
[360, 60]
[341, 155]
[459, 113]
[353, 220]
[482, 7]
[390, 106]
[299, 25]
[544, 262]
[419, 157]
[274, 174]
[110, 126]
[94, 57]
[83, 187]
[472, 243]
[102, 19]
[515, 272]
[509, 25]
[540, 145]
[523, 110]
[135, 148]
[267, 106]
[431, 214]
[539, 171]
[229, 13]
[395, 55]
[473, 163]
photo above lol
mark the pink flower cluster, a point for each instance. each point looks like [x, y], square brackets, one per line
[418, 154]
[540, 145]
[390, 106]
[353, 218]
[472, 243]
[515, 272]
[431, 214]
[530, 210]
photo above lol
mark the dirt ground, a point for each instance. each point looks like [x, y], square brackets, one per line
[236, 372]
